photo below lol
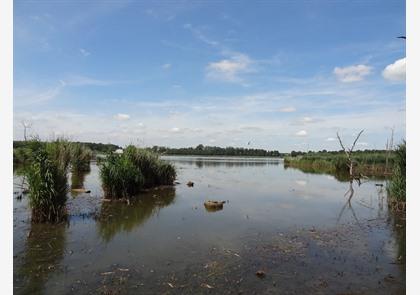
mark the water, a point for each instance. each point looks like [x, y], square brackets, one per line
[169, 242]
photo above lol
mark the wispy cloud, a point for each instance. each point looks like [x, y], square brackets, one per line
[84, 52]
[288, 110]
[395, 71]
[122, 117]
[230, 70]
[200, 35]
[302, 133]
[352, 73]
[166, 66]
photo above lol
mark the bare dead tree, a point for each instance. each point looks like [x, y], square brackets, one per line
[26, 126]
[348, 152]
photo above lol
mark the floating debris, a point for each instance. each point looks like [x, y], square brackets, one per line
[260, 274]
[214, 205]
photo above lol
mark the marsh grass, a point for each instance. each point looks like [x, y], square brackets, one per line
[135, 169]
[397, 185]
[47, 180]
[80, 157]
[367, 163]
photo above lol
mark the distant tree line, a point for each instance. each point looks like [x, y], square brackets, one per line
[202, 150]
[101, 148]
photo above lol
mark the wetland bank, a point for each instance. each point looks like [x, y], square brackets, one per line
[296, 229]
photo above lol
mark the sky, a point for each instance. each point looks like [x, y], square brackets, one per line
[283, 75]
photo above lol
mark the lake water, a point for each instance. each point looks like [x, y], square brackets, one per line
[168, 242]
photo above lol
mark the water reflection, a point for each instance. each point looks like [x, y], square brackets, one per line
[44, 250]
[224, 162]
[78, 179]
[115, 217]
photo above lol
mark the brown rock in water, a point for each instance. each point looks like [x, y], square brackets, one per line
[260, 274]
[190, 183]
[214, 205]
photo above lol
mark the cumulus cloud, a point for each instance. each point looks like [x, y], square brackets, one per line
[301, 133]
[288, 110]
[395, 71]
[352, 73]
[229, 70]
[122, 117]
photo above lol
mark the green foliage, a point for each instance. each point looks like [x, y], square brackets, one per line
[202, 150]
[80, 157]
[365, 162]
[47, 181]
[397, 185]
[120, 177]
[126, 174]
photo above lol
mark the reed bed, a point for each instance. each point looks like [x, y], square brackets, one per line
[125, 175]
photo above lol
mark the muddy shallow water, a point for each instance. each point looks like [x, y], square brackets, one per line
[297, 229]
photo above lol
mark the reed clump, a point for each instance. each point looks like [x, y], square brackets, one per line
[397, 185]
[80, 157]
[47, 180]
[124, 175]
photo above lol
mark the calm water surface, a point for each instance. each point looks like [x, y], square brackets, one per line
[169, 230]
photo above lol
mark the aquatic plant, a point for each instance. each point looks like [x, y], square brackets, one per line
[47, 181]
[371, 163]
[120, 177]
[80, 157]
[397, 185]
[126, 174]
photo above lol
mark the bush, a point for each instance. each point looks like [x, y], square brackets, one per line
[126, 174]
[47, 181]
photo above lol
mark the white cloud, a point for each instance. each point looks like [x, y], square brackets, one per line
[352, 73]
[288, 110]
[395, 71]
[122, 117]
[307, 119]
[166, 66]
[330, 139]
[140, 124]
[175, 129]
[84, 52]
[229, 70]
[301, 133]
[362, 143]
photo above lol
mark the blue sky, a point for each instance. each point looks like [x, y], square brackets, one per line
[285, 75]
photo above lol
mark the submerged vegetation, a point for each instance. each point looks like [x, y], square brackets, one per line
[47, 180]
[397, 185]
[124, 175]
